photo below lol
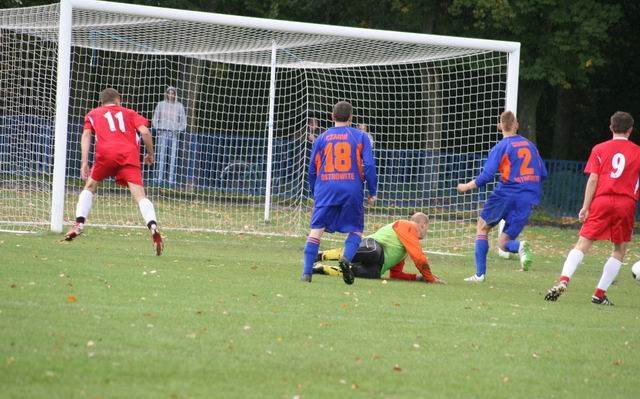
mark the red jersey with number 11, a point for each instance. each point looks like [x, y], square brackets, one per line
[115, 128]
[617, 163]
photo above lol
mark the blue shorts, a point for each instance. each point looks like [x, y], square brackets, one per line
[514, 212]
[347, 218]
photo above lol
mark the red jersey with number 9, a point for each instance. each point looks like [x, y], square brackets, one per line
[617, 163]
[115, 128]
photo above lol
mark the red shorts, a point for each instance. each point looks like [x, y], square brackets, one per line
[611, 217]
[123, 167]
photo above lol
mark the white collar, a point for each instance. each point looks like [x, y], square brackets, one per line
[620, 138]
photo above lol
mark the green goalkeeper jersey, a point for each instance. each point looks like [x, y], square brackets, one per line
[394, 250]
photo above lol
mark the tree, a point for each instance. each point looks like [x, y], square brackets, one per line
[562, 41]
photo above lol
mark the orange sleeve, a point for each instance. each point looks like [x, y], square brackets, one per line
[408, 236]
[398, 273]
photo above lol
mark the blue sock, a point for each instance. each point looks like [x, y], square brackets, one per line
[482, 247]
[351, 245]
[512, 246]
[310, 253]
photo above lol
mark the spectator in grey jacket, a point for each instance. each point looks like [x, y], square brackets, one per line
[170, 121]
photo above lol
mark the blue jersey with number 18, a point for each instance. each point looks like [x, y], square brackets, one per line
[341, 160]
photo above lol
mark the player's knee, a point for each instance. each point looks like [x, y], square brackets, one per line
[583, 245]
[482, 227]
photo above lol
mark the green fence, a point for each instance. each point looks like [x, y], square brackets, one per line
[563, 190]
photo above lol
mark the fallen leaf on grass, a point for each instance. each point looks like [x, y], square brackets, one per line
[13, 285]
[535, 355]
[72, 298]
[618, 362]
[397, 368]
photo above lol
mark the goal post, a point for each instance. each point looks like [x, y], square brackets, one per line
[58, 182]
[255, 93]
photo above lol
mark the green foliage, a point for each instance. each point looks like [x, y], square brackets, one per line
[23, 3]
[225, 316]
[562, 40]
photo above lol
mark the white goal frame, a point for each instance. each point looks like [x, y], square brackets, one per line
[512, 49]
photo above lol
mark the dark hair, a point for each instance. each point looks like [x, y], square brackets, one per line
[109, 96]
[621, 122]
[342, 111]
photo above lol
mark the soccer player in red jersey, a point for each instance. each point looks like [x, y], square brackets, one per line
[117, 154]
[609, 206]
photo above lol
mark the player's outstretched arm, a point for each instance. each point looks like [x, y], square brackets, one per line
[397, 273]
[85, 146]
[145, 133]
[589, 192]
[464, 187]
[491, 166]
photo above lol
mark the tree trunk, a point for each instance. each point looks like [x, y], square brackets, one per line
[564, 123]
[191, 79]
[529, 97]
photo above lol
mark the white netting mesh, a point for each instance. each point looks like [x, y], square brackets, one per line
[430, 109]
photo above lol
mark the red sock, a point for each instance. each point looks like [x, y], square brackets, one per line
[565, 279]
[599, 293]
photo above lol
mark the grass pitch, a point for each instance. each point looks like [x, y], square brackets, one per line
[225, 316]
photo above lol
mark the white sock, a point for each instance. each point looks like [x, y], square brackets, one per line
[573, 261]
[147, 211]
[84, 204]
[609, 273]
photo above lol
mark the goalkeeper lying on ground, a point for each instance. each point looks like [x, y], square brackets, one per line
[387, 249]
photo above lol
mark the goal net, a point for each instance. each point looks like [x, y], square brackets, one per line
[255, 93]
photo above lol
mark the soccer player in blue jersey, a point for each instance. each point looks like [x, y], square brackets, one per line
[521, 174]
[341, 160]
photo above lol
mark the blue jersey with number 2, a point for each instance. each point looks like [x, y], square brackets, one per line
[520, 166]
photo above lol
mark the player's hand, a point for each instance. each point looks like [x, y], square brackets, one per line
[462, 188]
[583, 214]
[438, 280]
[372, 199]
[84, 172]
[148, 159]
